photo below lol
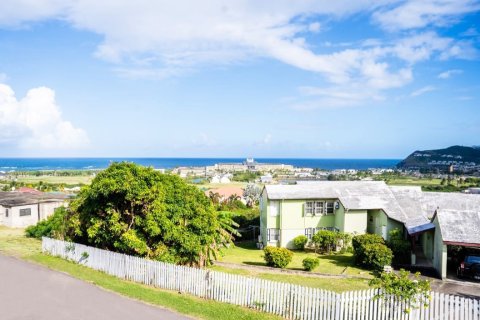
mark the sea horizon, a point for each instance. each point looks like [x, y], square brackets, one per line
[96, 163]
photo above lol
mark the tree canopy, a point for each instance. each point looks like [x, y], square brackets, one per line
[137, 210]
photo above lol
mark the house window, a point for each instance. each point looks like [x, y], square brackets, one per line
[274, 208]
[318, 208]
[6, 213]
[309, 232]
[25, 212]
[273, 235]
[329, 207]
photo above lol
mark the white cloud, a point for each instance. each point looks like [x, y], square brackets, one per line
[423, 90]
[418, 14]
[447, 74]
[35, 122]
[159, 39]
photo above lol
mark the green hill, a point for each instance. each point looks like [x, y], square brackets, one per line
[462, 158]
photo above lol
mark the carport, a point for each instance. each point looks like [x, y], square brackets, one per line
[456, 232]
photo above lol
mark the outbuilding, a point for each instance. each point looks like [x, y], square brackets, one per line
[23, 209]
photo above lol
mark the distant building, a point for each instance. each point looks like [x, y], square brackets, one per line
[266, 178]
[23, 209]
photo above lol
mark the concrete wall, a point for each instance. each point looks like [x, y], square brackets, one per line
[439, 251]
[355, 222]
[379, 223]
[14, 220]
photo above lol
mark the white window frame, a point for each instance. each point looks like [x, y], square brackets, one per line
[309, 232]
[329, 205]
[273, 235]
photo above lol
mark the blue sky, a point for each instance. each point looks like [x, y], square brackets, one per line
[314, 79]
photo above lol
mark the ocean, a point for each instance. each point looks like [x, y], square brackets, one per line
[31, 164]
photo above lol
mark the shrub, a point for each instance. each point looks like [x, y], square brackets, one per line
[54, 226]
[324, 240]
[399, 246]
[310, 263]
[376, 256]
[277, 257]
[412, 292]
[300, 241]
[359, 242]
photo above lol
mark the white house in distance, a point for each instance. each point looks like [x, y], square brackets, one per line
[23, 209]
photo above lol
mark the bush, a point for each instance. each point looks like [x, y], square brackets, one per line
[310, 263]
[53, 227]
[400, 247]
[277, 257]
[359, 242]
[413, 292]
[324, 240]
[300, 241]
[376, 256]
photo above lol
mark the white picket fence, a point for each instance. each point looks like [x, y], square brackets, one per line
[284, 299]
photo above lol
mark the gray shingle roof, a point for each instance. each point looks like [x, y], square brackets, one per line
[354, 195]
[409, 205]
[12, 199]
[461, 226]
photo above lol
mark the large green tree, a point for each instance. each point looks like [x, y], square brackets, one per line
[137, 210]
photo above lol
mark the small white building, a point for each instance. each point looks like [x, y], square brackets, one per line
[20, 210]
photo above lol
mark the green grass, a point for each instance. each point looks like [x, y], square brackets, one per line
[246, 253]
[69, 180]
[333, 284]
[409, 181]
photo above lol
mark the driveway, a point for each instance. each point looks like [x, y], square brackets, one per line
[29, 291]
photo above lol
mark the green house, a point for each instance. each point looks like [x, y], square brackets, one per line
[359, 207]
[347, 206]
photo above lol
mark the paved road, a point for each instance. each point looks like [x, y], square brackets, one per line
[29, 291]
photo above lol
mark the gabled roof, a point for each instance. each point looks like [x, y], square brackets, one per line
[355, 195]
[459, 226]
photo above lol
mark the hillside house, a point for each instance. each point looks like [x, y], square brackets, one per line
[359, 207]
[23, 209]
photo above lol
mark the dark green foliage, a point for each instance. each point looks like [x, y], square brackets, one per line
[376, 256]
[413, 292]
[300, 242]
[400, 247]
[139, 211]
[359, 242]
[324, 240]
[310, 263]
[54, 227]
[277, 257]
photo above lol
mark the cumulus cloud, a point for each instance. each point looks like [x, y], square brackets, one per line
[35, 122]
[447, 74]
[159, 39]
[418, 14]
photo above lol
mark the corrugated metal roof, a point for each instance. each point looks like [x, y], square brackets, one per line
[460, 226]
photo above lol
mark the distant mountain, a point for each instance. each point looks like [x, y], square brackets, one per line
[462, 158]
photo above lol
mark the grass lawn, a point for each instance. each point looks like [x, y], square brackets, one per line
[247, 253]
[13, 243]
[414, 182]
[333, 284]
[70, 180]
